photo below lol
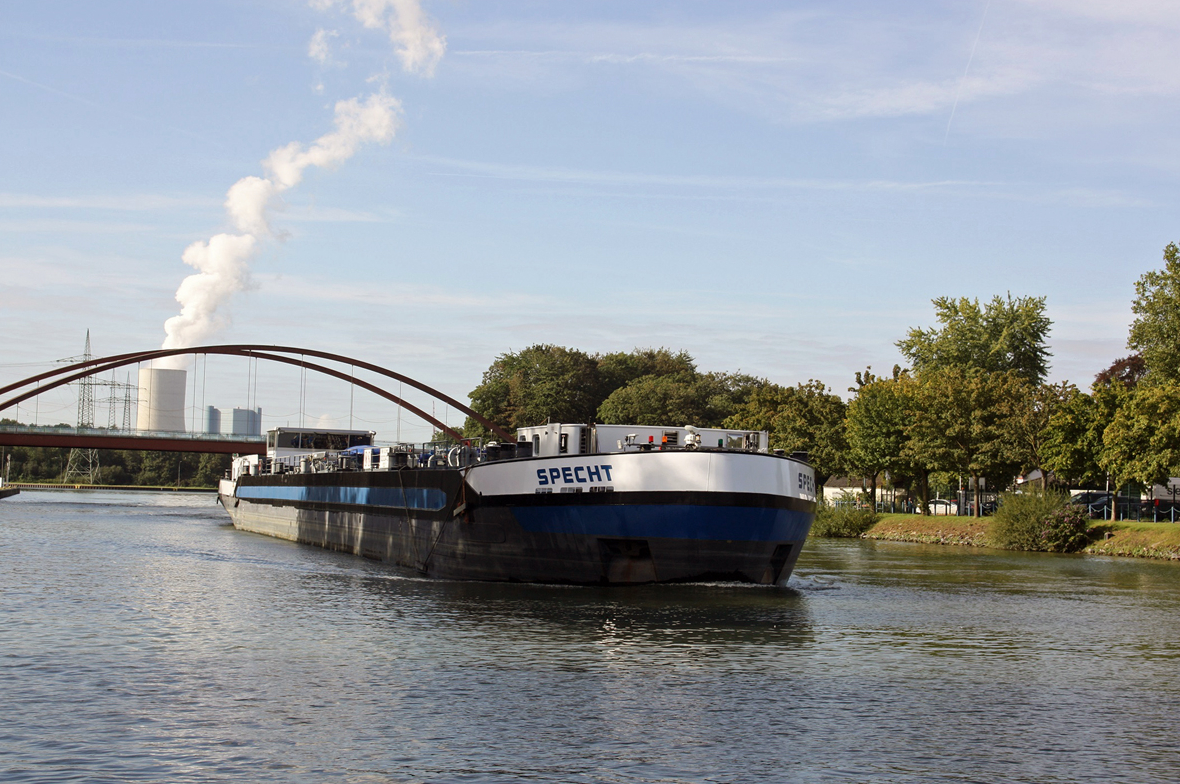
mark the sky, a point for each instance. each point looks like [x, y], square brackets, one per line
[779, 189]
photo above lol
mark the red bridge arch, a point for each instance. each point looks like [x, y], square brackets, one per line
[70, 373]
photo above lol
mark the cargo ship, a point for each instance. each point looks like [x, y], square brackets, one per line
[586, 504]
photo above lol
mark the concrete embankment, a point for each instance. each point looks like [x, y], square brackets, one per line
[1131, 539]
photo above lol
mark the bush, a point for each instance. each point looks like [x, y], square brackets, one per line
[1037, 520]
[842, 521]
[1065, 531]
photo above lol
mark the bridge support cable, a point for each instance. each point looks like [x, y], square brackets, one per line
[102, 364]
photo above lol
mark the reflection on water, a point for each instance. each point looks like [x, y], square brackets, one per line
[145, 640]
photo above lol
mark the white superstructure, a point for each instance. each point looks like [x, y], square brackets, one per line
[581, 439]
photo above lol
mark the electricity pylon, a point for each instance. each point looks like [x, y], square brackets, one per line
[83, 463]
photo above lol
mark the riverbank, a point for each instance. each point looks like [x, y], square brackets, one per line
[1130, 539]
[149, 488]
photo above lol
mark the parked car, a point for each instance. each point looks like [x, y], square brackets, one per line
[1091, 498]
[1097, 504]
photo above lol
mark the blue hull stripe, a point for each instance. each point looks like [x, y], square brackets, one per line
[426, 498]
[669, 521]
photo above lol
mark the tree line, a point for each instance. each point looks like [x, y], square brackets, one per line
[973, 403]
[117, 466]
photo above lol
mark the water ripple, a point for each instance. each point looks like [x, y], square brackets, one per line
[143, 640]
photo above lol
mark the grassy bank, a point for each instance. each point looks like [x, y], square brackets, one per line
[933, 529]
[1132, 539]
[1137, 540]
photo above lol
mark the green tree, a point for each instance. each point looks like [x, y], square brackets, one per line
[1073, 441]
[538, 384]
[552, 383]
[677, 399]
[958, 425]
[1026, 412]
[1155, 331]
[210, 469]
[804, 418]
[619, 369]
[1005, 335]
[1142, 441]
[876, 422]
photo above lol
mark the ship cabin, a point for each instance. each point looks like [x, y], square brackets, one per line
[290, 441]
[554, 439]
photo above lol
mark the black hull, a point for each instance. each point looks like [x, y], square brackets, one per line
[551, 539]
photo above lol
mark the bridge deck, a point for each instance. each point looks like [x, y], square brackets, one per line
[94, 438]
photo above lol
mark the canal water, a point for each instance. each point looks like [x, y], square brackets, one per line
[143, 639]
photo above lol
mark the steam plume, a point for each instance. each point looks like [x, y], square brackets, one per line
[222, 263]
[419, 45]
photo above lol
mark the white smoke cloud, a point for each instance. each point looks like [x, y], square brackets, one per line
[419, 45]
[222, 263]
[222, 270]
[250, 198]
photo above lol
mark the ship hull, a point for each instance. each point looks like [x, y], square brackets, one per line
[481, 524]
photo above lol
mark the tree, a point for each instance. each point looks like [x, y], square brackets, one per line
[677, 399]
[1142, 441]
[804, 418]
[1026, 412]
[957, 424]
[1076, 444]
[1005, 335]
[540, 383]
[1155, 331]
[1073, 441]
[552, 383]
[619, 369]
[1128, 371]
[876, 422]
[210, 469]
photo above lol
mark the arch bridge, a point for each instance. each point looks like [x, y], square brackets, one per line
[101, 438]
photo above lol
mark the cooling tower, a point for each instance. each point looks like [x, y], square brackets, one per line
[161, 400]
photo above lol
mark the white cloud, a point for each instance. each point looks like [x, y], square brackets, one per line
[318, 49]
[418, 43]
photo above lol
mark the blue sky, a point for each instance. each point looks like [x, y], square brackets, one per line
[777, 188]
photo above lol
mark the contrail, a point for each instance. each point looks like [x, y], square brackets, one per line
[959, 89]
[53, 90]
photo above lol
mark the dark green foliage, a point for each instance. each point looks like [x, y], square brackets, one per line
[541, 383]
[845, 521]
[682, 398]
[1065, 531]
[806, 417]
[1037, 521]
[121, 467]
[210, 469]
[646, 386]
[620, 369]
